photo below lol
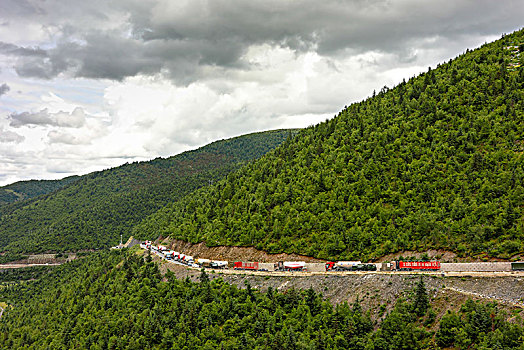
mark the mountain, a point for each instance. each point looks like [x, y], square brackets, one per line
[433, 163]
[93, 211]
[33, 188]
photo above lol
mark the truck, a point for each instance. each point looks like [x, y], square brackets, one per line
[341, 265]
[168, 254]
[171, 255]
[219, 264]
[290, 266]
[188, 259]
[365, 267]
[517, 266]
[213, 264]
[203, 262]
[145, 245]
[240, 265]
[400, 265]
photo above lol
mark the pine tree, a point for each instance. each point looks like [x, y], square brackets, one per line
[204, 278]
[421, 302]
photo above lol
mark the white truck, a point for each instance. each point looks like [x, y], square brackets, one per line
[290, 266]
[219, 264]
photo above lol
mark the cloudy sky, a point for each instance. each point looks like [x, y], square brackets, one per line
[87, 85]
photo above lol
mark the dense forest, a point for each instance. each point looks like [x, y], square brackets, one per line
[93, 211]
[119, 300]
[24, 273]
[33, 188]
[435, 162]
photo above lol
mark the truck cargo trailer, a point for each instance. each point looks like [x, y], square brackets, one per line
[349, 266]
[203, 262]
[240, 265]
[290, 266]
[219, 264]
[417, 265]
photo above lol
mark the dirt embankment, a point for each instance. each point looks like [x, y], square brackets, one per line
[445, 256]
[200, 250]
[375, 290]
[230, 253]
[442, 255]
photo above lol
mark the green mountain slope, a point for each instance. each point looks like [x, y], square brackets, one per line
[435, 162]
[95, 210]
[33, 188]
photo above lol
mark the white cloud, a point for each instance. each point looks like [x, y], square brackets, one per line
[96, 84]
[7, 136]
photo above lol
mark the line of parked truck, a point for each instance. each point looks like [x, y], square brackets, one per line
[219, 264]
[286, 265]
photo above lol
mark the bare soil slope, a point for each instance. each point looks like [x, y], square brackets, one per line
[232, 253]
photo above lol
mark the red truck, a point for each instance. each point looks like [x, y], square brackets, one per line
[400, 265]
[240, 265]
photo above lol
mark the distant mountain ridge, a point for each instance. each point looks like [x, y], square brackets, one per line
[22, 190]
[93, 211]
[435, 162]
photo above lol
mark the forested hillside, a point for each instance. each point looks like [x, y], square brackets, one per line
[28, 189]
[119, 300]
[435, 162]
[96, 209]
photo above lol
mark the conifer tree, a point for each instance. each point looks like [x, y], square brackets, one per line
[421, 302]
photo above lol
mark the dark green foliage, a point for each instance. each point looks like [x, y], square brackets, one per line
[7, 258]
[95, 210]
[400, 331]
[479, 326]
[421, 301]
[25, 273]
[435, 162]
[449, 326]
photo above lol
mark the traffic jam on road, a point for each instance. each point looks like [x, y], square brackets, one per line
[301, 266]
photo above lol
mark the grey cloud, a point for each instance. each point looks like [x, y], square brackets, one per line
[184, 40]
[15, 50]
[329, 26]
[65, 138]
[20, 8]
[30, 67]
[26, 118]
[10, 137]
[4, 88]
[75, 119]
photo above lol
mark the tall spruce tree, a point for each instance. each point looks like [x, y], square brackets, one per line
[421, 302]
